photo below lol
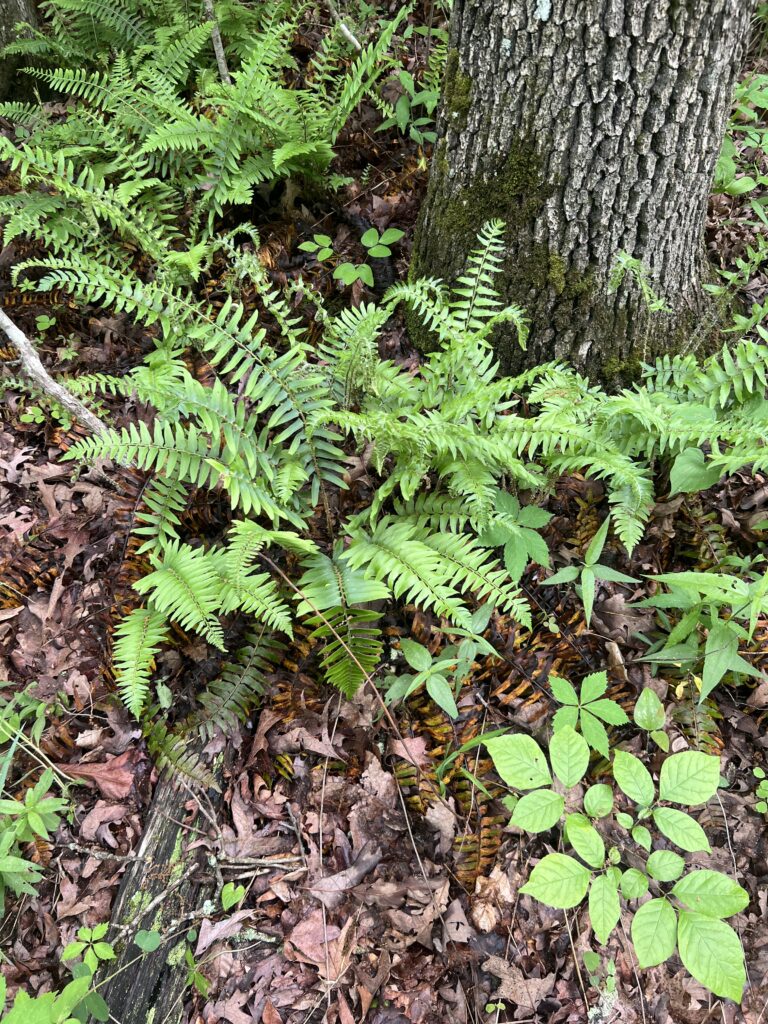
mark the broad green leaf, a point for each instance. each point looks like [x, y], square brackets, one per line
[519, 761]
[230, 895]
[567, 715]
[654, 932]
[690, 473]
[598, 800]
[73, 950]
[536, 547]
[642, 836]
[593, 686]
[558, 881]
[538, 811]
[609, 711]
[515, 559]
[371, 237]
[562, 691]
[604, 907]
[711, 893]
[565, 575]
[633, 778]
[533, 517]
[585, 839]
[711, 951]
[440, 691]
[391, 235]
[597, 543]
[681, 829]
[97, 1007]
[605, 572]
[719, 652]
[593, 731]
[661, 740]
[625, 820]
[147, 941]
[649, 711]
[634, 884]
[418, 657]
[665, 866]
[104, 951]
[569, 756]
[689, 777]
[588, 593]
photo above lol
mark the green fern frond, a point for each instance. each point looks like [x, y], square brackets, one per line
[184, 587]
[138, 637]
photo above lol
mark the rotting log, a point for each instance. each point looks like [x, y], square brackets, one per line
[162, 886]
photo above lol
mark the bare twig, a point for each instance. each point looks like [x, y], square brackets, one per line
[218, 46]
[32, 367]
[343, 28]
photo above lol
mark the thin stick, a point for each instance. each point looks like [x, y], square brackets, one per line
[33, 368]
[218, 46]
[345, 31]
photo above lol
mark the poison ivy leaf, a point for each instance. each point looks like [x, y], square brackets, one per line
[598, 800]
[711, 893]
[711, 950]
[585, 839]
[604, 907]
[569, 756]
[439, 690]
[418, 657]
[562, 691]
[634, 884]
[689, 777]
[681, 829]
[654, 932]
[558, 881]
[538, 811]
[519, 761]
[594, 733]
[633, 778]
[649, 711]
[665, 866]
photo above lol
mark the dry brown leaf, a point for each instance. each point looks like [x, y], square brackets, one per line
[514, 986]
[113, 777]
[210, 933]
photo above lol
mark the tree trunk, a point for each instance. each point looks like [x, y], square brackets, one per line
[592, 127]
[11, 13]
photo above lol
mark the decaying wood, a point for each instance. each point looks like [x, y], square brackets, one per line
[162, 889]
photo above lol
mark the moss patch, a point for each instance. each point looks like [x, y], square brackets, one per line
[457, 91]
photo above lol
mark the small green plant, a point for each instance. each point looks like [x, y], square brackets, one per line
[715, 613]
[588, 709]
[321, 247]
[590, 572]
[348, 273]
[404, 114]
[90, 950]
[687, 915]
[50, 1008]
[515, 528]
[44, 322]
[650, 716]
[761, 791]
[442, 676]
[231, 895]
[38, 814]
[378, 246]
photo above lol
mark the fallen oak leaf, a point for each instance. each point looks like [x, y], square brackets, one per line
[210, 933]
[113, 777]
[515, 987]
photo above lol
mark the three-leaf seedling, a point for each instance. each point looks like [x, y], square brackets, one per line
[377, 246]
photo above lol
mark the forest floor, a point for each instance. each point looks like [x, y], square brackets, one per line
[389, 888]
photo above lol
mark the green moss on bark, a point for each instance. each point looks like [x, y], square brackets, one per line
[457, 91]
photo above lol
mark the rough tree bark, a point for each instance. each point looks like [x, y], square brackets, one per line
[591, 127]
[12, 12]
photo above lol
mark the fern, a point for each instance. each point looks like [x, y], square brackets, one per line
[138, 639]
[228, 699]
